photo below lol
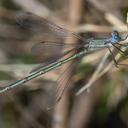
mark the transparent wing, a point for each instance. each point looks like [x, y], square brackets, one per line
[52, 51]
[22, 34]
[50, 36]
[40, 26]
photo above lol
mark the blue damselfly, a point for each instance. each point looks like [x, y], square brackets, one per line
[56, 35]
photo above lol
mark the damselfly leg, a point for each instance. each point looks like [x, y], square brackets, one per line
[116, 43]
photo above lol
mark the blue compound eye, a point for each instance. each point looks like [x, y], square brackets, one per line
[115, 34]
[115, 37]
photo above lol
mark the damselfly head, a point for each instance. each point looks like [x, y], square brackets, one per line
[115, 37]
[115, 33]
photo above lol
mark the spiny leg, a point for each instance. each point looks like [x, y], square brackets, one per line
[120, 50]
[124, 54]
[112, 55]
[125, 46]
[115, 61]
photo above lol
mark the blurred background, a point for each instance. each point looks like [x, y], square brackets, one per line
[97, 93]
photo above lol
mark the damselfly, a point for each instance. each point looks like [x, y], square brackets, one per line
[56, 35]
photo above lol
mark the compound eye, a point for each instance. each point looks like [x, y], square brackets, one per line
[115, 34]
